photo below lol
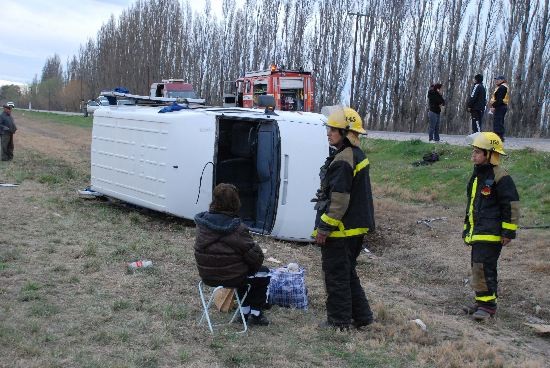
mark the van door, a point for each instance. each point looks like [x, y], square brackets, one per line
[304, 148]
[192, 143]
[267, 169]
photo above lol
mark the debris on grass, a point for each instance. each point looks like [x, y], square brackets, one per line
[420, 324]
[540, 328]
[428, 221]
[369, 254]
[89, 193]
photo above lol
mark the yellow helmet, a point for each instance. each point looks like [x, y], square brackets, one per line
[488, 141]
[343, 118]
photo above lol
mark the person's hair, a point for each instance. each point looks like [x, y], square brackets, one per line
[225, 198]
[478, 78]
[436, 86]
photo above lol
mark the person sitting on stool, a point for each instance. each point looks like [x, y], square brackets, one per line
[227, 256]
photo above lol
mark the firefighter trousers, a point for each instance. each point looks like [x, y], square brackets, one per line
[484, 273]
[346, 300]
[498, 121]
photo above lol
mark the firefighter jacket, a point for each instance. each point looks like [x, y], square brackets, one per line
[493, 206]
[224, 250]
[478, 98]
[501, 96]
[346, 207]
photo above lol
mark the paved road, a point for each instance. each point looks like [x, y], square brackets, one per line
[462, 140]
[458, 140]
[56, 112]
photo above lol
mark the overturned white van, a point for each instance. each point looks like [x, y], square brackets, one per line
[171, 162]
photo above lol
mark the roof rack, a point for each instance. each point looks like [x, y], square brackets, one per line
[151, 101]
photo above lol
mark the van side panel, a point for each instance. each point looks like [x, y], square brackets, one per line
[129, 159]
[304, 148]
[190, 163]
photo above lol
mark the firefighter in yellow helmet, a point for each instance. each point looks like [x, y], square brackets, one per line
[491, 220]
[344, 215]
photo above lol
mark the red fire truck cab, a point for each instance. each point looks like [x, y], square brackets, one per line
[292, 89]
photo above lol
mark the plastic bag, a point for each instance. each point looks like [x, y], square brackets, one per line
[288, 289]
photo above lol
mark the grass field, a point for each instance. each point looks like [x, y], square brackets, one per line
[444, 181]
[74, 120]
[66, 299]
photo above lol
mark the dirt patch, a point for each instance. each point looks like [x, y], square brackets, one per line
[66, 299]
[59, 141]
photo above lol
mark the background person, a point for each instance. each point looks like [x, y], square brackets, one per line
[345, 214]
[499, 105]
[7, 130]
[435, 101]
[227, 255]
[491, 220]
[477, 102]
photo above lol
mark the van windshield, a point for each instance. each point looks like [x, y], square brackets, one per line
[181, 94]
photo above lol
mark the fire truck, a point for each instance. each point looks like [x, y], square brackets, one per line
[292, 89]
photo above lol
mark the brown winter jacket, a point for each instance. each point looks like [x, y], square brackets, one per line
[224, 250]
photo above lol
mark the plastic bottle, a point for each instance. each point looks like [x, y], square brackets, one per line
[139, 264]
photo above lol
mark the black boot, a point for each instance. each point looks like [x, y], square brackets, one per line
[260, 320]
[470, 309]
[483, 313]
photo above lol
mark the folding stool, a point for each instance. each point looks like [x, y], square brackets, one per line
[206, 307]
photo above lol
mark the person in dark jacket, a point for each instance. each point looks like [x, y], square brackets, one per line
[499, 105]
[226, 254]
[345, 214]
[491, 220]
[435, 101]
[477, 102]
[7, 130]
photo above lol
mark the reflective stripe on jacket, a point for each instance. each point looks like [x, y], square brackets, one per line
[493, 206]
[501, 96]
[349, 211]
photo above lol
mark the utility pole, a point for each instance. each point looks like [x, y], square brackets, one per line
[357, 15]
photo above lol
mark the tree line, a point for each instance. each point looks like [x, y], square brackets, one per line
[402, 46]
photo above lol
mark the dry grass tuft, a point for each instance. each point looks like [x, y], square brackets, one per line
[405, 194]
[541, 267]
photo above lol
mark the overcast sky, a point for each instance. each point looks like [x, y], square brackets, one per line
[33, 30]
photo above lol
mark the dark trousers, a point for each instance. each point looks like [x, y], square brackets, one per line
[257, 295]
[346, 300]
[433, 130]
[484, 273]
[7, 146]
[477, 120]
[498, 121]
